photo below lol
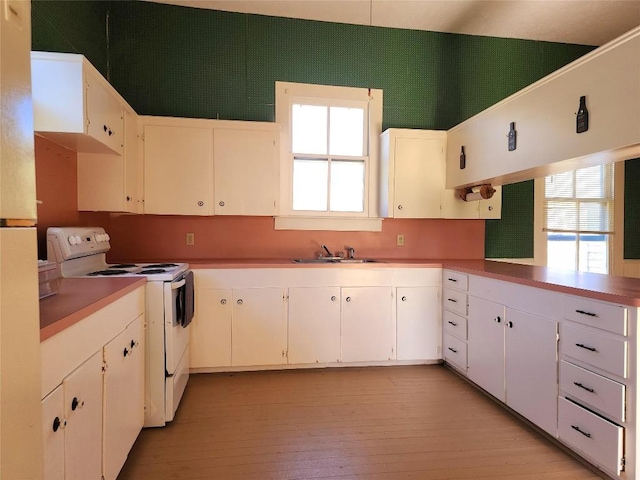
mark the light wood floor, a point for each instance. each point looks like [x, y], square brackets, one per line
[383, 423]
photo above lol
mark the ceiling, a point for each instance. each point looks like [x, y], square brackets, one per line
[586, 22]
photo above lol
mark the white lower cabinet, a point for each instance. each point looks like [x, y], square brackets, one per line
[123, 396]
[486, 345]
[72, 424]
[418, 323]
[93, 392]
[258, 327]
[314, 325]
[531, 362]
[367, 324]
[211, 329]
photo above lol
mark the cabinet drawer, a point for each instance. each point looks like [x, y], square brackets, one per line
[593, 390]
[455, 351]
[599, 439]
[455, 324]
[606, 316]
[604, 352]
[454, 301]
[451, 279]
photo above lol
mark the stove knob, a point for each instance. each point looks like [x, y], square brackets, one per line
[106, 237]
[72, 240]
[98, 237]
[78, 239]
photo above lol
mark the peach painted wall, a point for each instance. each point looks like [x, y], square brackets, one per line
[151, 237]
[56, 188]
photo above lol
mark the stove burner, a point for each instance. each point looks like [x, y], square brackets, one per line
[152, 271]
[161, 265]
[107, 273]
[123, 265]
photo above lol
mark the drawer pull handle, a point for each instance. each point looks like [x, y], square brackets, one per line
[578, 384]
[452, 280]
[591, 349]
[454, 351]
[590, 314]
[577, 429]
[453, 323]
[452, 300]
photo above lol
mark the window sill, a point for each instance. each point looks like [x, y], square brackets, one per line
[336, 224]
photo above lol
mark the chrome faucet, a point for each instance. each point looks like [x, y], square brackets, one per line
[351, 252]
[327, 250]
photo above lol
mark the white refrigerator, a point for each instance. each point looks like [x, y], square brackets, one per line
[20, 412]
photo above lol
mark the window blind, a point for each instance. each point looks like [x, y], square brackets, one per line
[580, 201]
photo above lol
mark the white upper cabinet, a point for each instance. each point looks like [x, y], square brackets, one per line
[412, 179]
[245, 166]
[113, 183]
[412, 173]
[545, 121]
[178, 168]
[74, 105]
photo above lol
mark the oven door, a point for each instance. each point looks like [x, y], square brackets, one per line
[176, 336]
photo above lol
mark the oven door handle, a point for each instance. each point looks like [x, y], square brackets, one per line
[179, 284]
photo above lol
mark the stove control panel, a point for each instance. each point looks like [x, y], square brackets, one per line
[66, 243]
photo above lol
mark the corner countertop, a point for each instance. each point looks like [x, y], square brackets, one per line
[80, 297]
[609, 288]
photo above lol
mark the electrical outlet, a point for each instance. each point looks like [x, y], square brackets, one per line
[190, 239]
[400, 240]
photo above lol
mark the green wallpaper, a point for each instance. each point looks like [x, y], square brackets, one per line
[73, 26]
[175, 61]
[632, 209]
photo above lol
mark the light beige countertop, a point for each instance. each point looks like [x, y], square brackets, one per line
[80, 297]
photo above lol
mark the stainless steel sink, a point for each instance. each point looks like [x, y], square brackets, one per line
[335, 260]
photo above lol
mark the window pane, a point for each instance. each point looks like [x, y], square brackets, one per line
[309, 129]
[594, 253]
[590, 182]
[559, 185]
[346, 131]
[310, 184]
[561, 251]
[347, 186]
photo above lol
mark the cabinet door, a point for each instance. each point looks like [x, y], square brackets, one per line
[178, 170]
[211, 329]
[454, 207]
[83, 411]
[314, 325]
[245, 171]
[133, 165]
[486, 345]
[531, 359]
[367, 324]
[418, 323]
[53, 425]
[419, 177]
[492, 207]
[104, 112]
[259, 327]
[123, 395]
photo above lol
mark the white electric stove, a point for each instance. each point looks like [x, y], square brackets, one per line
[80, 252]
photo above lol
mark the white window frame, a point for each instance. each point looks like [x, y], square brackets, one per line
[615, 260]
[287, 94]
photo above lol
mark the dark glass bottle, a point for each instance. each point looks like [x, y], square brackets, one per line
[582, 117]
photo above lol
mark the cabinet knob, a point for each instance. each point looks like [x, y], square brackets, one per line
[333, 298]
[490, 208]
[221, 203]
[56, 424]
[239, 302]
[223, 301]
[128, 198]
[125, 352]
[404, 299]
[75, 403]
[399, 207]
[200, 203]
[509, 324]
[133, 344]
[497, 319]
[105, 128]
[348, 299]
